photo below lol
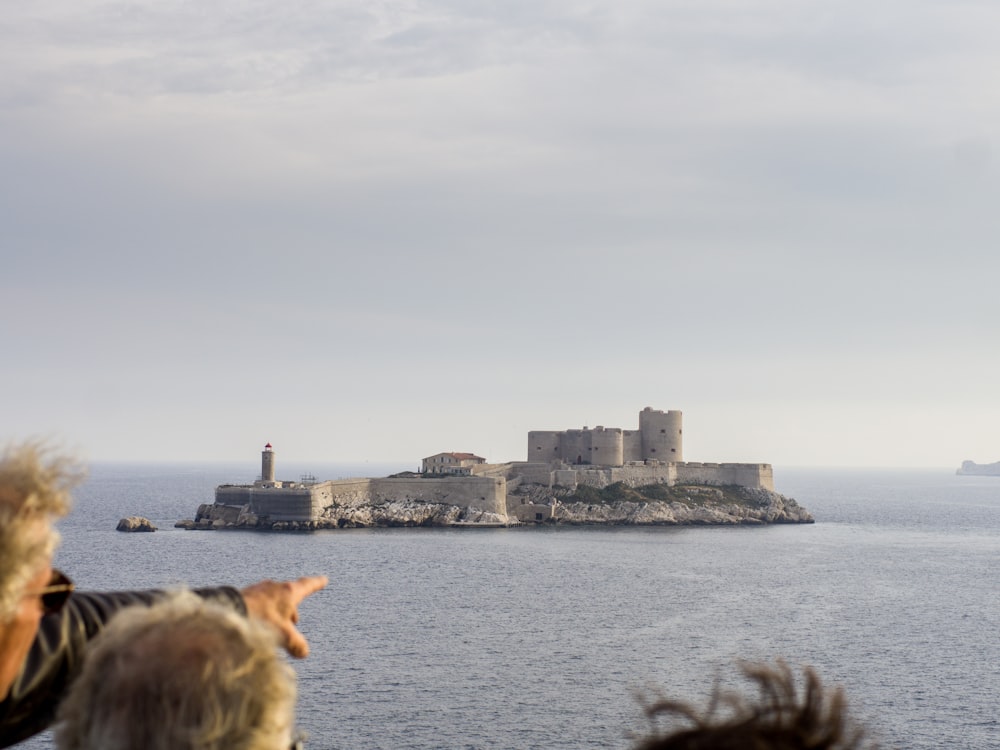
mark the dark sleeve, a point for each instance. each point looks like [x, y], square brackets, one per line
[57, 652]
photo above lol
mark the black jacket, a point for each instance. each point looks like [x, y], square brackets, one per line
[56, 654]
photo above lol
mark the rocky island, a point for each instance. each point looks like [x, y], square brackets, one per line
[135, 523]
[983, 470]
[605, 476]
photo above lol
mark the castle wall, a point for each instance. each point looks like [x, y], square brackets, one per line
[575, 446]
[606, 446]
[283, 504]
[485, 493]
[564, 478]
[232, 494]
[631, 446]
[532, 472]
[592, 477]
[350, 492]
[639, 475]
[491, 470]
[659, 438]
[304, 503]
[746, 475]
[544, 445]
[278, 503]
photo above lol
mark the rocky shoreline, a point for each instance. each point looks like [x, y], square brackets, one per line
[611, 506]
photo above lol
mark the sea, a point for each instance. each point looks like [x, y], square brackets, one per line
[554, 637]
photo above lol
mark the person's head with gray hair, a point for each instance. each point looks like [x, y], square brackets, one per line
[183, 674]
[35, 485]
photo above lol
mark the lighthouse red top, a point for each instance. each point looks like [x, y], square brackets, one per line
[267, 447]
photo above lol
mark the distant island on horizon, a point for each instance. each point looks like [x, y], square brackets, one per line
[971, 468]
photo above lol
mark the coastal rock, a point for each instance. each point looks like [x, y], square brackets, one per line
[385, 514]
[677, 505]
[676, 513]
[408, 513]
[135, 523]
[613, 506]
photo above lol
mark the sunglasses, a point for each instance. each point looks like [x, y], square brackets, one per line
[54, 595]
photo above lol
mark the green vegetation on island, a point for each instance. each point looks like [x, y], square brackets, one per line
[686, 494]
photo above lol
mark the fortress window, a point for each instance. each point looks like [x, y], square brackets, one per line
[663, 432]
[673, 450]
[652, 450]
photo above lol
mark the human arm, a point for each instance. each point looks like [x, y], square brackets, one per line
[57, 652]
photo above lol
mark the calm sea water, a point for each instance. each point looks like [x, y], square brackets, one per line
[540, 638]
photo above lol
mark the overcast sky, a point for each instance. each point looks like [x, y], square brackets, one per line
[367, 230]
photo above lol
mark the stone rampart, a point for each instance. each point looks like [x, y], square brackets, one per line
[638, 474]
[533, 472]
[305, 503]
[744, 475]
[593, 477]
[491, 470]
[233, 494]
[485, 493]
[281, 504]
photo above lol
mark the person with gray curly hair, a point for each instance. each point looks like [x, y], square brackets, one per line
[183, 674]
[45, 625]
[33, 494]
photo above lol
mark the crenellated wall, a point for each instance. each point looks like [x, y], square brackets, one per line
[659, 438]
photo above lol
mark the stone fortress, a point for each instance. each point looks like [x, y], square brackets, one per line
[652, 454]
[660, 437]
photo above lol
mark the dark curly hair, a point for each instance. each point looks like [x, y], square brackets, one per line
[780, 718]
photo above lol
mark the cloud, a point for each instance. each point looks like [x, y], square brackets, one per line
[473, 211]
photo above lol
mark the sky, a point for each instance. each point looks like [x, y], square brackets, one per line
[366, 230]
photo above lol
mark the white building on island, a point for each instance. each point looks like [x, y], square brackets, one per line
[451, 464]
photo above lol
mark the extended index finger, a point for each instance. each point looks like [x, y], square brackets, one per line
[306, 586]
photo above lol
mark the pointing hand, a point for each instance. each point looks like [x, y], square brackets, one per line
[277, 603]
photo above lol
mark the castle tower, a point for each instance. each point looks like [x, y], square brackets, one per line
[544, 445]
[662, 436]
[606, 448]
[267, 464]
